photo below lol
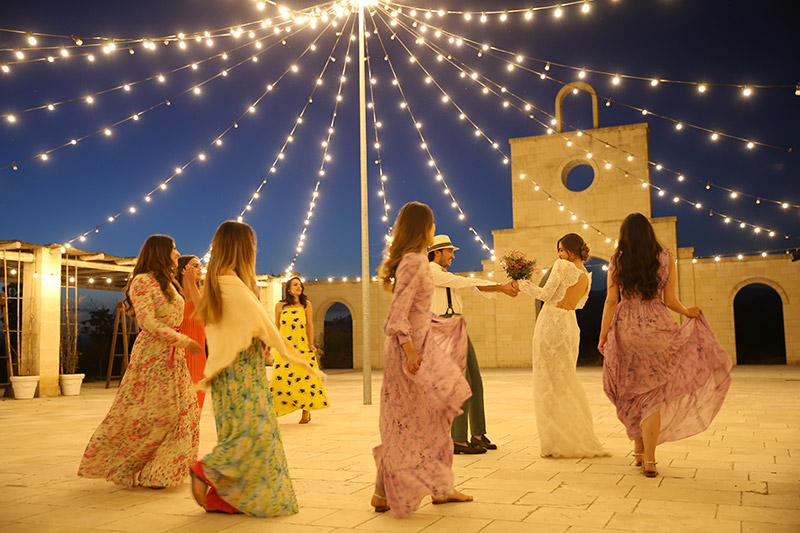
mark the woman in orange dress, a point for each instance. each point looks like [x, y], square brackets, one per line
[190, 272]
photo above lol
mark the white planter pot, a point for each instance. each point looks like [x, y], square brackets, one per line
[71, 384]
[24, 386]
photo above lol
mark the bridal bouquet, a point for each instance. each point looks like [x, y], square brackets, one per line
[517, 266]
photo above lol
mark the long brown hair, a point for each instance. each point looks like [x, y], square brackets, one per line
[410, 234]
[234, 249]
[636, 259]
[289, 299]
[155, 258]
[574, 243]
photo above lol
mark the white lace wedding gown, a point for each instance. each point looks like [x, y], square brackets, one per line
[563, 417]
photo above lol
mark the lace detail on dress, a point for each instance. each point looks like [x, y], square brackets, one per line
[563, 275]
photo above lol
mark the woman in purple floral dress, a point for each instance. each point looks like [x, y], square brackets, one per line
[423, 381]
[150, 434]
[667, 382]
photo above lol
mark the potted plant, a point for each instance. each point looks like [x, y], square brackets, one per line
[69, 380]
[69, 355]
[24, 385]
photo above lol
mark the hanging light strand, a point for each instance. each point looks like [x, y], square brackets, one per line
[517, 63]
[376, 125]
[81, 41]
[325, 156]
[506, 159]
[431, 161]
[195, 88]
[216, 141]
[159, 77]
[525, 107]
[494, 12]
[290, 138]
[550, 63]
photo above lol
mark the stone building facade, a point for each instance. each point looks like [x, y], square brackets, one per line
[543, 207]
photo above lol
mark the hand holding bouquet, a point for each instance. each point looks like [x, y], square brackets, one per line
[517, 266]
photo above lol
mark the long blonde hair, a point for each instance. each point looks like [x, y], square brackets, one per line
[411, 231]
[155, 258]
[233, 249]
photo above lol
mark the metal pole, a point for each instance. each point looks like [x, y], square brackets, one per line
[366, 354]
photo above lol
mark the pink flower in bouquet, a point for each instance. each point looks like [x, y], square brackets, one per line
[517, 266]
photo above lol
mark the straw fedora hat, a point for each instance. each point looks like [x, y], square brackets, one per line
[440, 242]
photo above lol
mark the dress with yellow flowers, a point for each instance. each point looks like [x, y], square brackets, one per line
[292, 388]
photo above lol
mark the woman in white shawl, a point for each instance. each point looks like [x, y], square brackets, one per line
[246, 472]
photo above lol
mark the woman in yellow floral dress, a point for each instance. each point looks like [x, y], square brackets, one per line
[246, 472]
[150, 434]
[292, 388]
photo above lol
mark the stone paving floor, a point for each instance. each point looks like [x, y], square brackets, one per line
[742, 475]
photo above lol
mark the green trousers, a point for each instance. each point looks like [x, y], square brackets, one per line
[473, 406]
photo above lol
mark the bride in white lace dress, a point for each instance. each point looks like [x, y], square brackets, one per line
[563, 417]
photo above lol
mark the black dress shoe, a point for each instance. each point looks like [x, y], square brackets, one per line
[468, 449]
[483, 442]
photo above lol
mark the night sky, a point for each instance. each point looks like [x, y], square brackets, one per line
[79, 187]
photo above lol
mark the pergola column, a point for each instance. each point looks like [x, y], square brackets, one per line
[41, 318]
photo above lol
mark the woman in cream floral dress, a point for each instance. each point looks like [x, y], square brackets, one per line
[150, 434]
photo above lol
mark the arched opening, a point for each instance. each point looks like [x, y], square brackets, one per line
[337, 343]
[758, 323]
[590, 317]
[579, 178]
[577, 111]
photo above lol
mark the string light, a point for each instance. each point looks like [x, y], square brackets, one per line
[325, 155]
[196, 90]
[661, 192]
[432, 162]
[163, 185]
[615, 80]
[528, 106]
[376, 125]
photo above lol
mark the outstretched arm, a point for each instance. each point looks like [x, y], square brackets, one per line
[671, 300]
[547, 292]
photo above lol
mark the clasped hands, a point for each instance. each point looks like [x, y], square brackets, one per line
[511, 288]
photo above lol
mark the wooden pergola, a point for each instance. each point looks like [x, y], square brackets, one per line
[33, 278]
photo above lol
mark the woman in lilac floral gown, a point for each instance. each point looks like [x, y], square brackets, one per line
[423, 381]
[667, 382]
[150, 434]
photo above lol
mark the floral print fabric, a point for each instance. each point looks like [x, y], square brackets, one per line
[247, 467]
[292, 387]
[152, 426]
[652, 364]
[415, 456]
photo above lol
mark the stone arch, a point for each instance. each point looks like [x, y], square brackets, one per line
[784, 310]
[334, 359]
[590, 317]
[572, 162]
[567, 89]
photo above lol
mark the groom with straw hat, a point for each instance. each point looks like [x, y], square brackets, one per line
[446, 302]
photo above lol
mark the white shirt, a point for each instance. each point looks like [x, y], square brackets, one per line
[443, 279]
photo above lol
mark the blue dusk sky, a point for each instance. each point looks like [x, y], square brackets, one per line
[725, 44]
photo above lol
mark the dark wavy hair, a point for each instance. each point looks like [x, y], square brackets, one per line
[574, 243]
[288, 299]
[155, 258]
[636, 259]
[182, 262]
